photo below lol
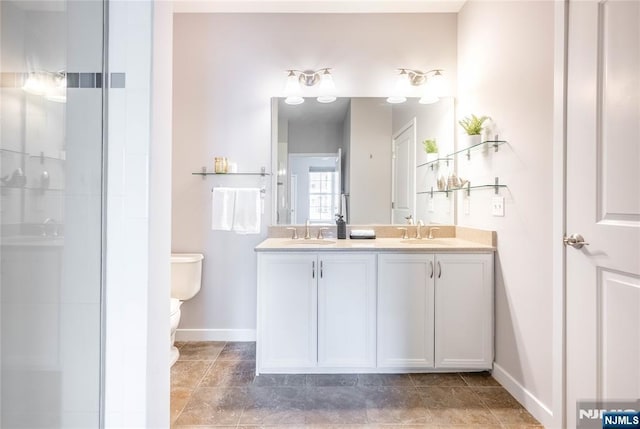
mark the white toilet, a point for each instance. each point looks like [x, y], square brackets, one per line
[186, 279]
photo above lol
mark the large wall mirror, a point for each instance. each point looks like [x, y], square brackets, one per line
[361, 157]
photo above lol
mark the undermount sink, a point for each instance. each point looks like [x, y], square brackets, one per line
[427, 242]
[311, 241]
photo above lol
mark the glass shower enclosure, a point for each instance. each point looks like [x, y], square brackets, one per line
[51, 205]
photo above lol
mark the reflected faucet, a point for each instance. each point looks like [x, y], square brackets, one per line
[418, 230]
[45, 227]
[307, 232]
[430, 237]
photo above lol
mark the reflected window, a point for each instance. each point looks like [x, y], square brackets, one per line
[324, 194]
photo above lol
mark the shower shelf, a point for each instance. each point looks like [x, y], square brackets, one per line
[31, 188]
[17, 152]
[43, 157]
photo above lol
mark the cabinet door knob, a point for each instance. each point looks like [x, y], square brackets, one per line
[439, 270]
[321, 269]
[431, 266]
[313, 269]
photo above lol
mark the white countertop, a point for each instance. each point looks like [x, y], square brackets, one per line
[448, 244]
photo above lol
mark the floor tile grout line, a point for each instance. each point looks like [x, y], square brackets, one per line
[211, 362]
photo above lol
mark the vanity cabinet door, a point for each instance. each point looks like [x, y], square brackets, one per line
[347, 310]
[464, 311]
[287, 310]
[405, 310]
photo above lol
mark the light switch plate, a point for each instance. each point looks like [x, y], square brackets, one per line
[497, 206]
[432, 205]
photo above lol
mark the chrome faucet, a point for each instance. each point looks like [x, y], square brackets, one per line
[294, 236]
[321, 233]
[418, 230]
[409, 219]
[307, 230]
[45, 227]
[430, 237]
[405, 236]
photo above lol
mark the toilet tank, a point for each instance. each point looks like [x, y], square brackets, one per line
[186, 275]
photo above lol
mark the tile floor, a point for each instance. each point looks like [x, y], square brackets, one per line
[213, 385]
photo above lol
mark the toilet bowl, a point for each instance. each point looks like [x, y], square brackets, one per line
[186, 280]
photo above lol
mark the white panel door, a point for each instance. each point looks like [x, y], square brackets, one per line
[603, 203]
[287, 307]
[347, 310]
[405, 310]
[403, 186]
[464, 311]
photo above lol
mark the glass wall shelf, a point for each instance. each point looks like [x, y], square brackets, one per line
[436, 162]
[468, 188]
[204, 173]
[495, 144]
[211, 173]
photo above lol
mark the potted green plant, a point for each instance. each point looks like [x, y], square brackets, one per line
[431, 148]
[473, 126]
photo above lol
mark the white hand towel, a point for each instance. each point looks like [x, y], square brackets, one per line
[222, 207]
[246, 216]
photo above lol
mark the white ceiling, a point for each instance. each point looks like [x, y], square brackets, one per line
[318, 6]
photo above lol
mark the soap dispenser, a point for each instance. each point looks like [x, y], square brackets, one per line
[341, 227]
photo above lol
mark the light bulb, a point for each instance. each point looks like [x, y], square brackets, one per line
[294, 99]
[292, 89]
[401, 88]
[396, 99]
[327, 88]
[437, 83]
[402, 83]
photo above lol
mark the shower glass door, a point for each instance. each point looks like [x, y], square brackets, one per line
[51, 158]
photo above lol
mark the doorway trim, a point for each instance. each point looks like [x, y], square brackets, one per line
[559, 218]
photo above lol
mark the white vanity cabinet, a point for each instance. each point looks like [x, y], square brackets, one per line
[287, 310]
[405, 310]
[463, 311]
[316, 310]
[435, 311]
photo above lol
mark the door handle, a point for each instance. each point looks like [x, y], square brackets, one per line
[431, 266]
[439, 270]
[321, 269]
[575, 240]
[313, 269]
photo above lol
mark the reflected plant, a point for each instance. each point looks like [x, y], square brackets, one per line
[430, 146]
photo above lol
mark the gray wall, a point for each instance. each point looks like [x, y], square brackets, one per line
[489, 85]
[370, 161]
[315, 137]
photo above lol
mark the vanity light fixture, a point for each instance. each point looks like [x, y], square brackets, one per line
[35, 84]
[430, 81]
[296, 79]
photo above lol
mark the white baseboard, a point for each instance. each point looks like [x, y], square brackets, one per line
[534, 405]
[215, 335]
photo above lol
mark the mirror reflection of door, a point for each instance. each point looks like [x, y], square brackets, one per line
[293, 198]
[403, 174]
[315, 193]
